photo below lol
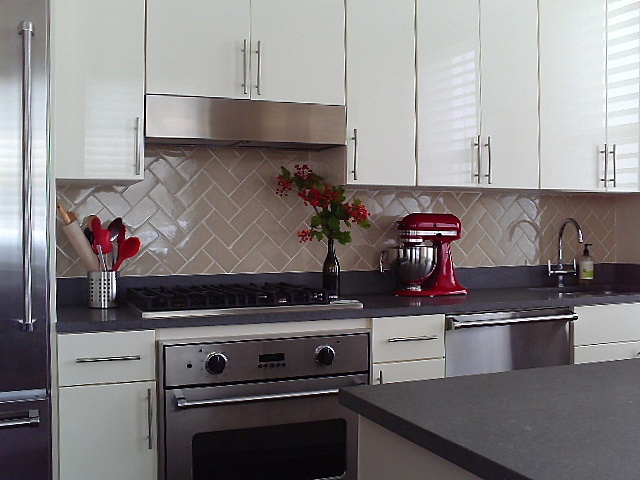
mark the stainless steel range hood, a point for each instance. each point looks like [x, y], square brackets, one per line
[243, 123]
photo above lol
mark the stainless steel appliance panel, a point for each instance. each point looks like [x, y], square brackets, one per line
[24, 440]
[503, 341]
[24, 362]
[25, 431]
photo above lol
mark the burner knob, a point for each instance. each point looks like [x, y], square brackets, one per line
[325, 355]
[215, 363]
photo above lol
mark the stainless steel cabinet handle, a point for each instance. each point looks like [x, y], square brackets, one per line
[124, 358]
[150, 417]
[488, 174]
[453, 324]
[412, 339]
[478, 145]
[604, 178]
[29, 419]
[355, 154]
[182, 402]
[245, 68]
[614, 160]
[138, 146]
[259, 68]
[380, 378]
[25, 29]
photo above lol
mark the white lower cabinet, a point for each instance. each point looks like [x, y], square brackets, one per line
[407, 348]
[107, 406]
[607, 332]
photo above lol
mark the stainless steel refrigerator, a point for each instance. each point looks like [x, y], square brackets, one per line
[25, 411]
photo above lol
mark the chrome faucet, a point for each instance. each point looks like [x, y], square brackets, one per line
[560, 268]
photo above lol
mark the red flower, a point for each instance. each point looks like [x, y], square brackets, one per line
[332, 210]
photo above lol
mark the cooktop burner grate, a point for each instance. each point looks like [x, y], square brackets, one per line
[200, 297]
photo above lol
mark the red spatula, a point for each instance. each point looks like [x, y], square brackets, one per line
[128, 248]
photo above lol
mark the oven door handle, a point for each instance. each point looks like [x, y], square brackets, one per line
[183, 403]
[454, 324]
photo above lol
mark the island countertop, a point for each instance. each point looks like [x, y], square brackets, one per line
[574, 422]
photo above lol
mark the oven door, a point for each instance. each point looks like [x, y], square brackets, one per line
[283, 430]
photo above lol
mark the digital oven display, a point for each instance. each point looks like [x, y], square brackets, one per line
[271, 357]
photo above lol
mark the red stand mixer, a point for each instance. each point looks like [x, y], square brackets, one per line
[423, 266]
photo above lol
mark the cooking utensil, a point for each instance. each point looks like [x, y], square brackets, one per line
[114, 228]
[79, 243]
[127, 249]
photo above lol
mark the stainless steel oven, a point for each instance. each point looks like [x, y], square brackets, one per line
[261, 409]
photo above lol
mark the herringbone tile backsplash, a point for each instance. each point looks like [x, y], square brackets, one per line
[212, 211]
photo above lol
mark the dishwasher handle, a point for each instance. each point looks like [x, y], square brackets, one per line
[455, 324]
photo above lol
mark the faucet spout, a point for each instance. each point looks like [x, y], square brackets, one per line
[562, 227]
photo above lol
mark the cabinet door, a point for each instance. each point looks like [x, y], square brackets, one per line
[606, 352]
[509, 71]
[196, 47]
[408, 371]
[623, 96]
[381, 92]
[598, 324]
[301, 51]
[98, 89]
[448, 69]
[572, 93]
[108, 432]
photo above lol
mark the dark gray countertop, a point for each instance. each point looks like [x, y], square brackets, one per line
[76, 319]
[575, 422]
[511, 288]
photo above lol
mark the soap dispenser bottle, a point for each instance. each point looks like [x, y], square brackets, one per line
[586, 267]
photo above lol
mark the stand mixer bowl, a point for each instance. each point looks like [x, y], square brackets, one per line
[412, 265]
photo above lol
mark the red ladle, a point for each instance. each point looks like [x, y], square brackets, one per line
[128, 248]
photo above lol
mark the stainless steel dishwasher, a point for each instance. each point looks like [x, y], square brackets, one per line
[508, 340]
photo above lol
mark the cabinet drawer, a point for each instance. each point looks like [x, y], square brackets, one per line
[407, 338]
[605, 352]
[91, 358]
[607, 323]
[407, 371]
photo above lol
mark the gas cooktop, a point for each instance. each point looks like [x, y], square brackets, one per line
[220, 299]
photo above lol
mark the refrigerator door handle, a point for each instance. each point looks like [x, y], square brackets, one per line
[25, 29]
[26, 419]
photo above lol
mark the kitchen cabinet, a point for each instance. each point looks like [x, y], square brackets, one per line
[97, 101]
[589, 101]
[276, 50]
[407, 348]
[607, 332]
[477, 97]
[107, 405]
[381, 120]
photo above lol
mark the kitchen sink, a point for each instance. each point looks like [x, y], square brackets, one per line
[586, 291]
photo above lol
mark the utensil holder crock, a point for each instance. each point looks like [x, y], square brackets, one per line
[103, 289]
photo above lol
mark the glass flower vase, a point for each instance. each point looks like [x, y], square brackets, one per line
[331, 272]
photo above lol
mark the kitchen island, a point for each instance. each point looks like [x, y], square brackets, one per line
[575, 422]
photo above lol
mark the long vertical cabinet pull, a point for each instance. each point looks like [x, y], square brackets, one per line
[26, 30]
[355, 154]
[245, 68]
[380, 377]
[614, 161]
[489, 165]
[150, 417]
[138, 147]
[478, 145]
[259, 68]
[605, 178]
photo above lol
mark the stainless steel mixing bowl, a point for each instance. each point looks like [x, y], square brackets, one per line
[412, 266]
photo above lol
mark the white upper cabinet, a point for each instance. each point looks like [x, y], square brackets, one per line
[381, 92]
[477, 68]
[277, 50]
[589, 105]
[97, 61]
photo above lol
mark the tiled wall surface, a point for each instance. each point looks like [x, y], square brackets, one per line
[206, 211]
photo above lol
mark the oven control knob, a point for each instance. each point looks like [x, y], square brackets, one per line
[325, 355]
[215, 363]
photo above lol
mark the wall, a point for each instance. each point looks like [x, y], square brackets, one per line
[206, 211]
